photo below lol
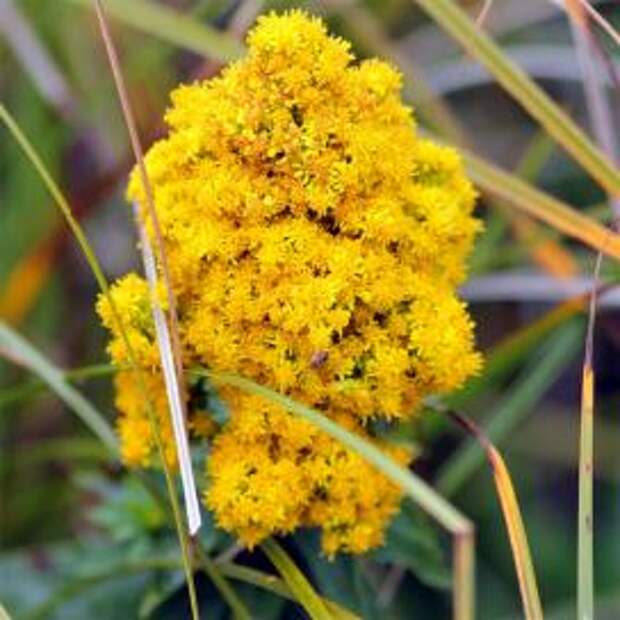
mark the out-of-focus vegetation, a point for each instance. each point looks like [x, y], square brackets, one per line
[82, 538]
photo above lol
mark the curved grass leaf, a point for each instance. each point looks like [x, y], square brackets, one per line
[532, 608]
[18, 348]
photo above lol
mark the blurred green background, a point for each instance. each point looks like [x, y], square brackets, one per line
[80, 538]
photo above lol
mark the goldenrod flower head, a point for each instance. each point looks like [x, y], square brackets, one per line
[315, 245]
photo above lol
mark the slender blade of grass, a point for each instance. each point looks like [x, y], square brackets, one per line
[601, 121]
[237, 606]
[173, 27]
[530, 388]
[600, 20]
[278, 586]
[585, 543]
[296, 581]
[540, 205]
[413, 486]
[95, 267]
[35, 386]
[585, 517]
[22, 351]
[532, 607]
[449, 15]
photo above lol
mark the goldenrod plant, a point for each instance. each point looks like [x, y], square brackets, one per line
[315, 245]
[364, 228]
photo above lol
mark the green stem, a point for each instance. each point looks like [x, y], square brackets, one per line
[26, 354]
[35, 386]
[296, 581]
[585, 553]
[228, 594]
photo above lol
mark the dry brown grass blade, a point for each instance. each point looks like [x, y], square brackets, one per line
[586, 7]
[167, 330]
[484, 13]
[532, 607]
[25, 282]
[169, 348]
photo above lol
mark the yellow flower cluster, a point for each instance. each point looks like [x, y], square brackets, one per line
[315, 244]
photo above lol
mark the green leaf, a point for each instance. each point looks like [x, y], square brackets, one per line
[126, 510]
[16, 347]
[413, 543]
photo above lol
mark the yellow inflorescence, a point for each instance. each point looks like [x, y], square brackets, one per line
[315, 244]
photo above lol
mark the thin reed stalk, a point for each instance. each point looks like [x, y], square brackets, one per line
[419, 491]
[166, 330]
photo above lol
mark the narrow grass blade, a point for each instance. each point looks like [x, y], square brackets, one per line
[56, 194]
[240, 612]
[93, 263]
[530, 388]
[455, 21]
[413, 486]
[585, 553]
[296, 581]
[600, 20]
[601, 120]
[532, 608]
[278, 586]
[585, 518]
[34, 386]
[544, 207]
[174, 27]
[21, 350]
[483, 14]
[173, 390]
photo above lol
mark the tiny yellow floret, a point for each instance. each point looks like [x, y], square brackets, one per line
[315, 244]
